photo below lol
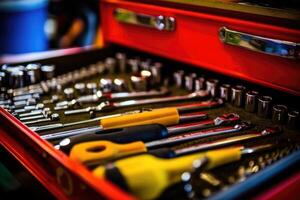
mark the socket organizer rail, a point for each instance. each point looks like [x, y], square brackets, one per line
[120, 123]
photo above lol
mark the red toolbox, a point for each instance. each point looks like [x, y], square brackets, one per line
[255, 45]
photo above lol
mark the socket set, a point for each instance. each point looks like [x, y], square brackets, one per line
[153, 129]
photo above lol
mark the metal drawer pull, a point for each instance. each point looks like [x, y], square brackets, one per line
[160, 22]
[269, 46]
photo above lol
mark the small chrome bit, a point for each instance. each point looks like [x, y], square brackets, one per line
[53, 117]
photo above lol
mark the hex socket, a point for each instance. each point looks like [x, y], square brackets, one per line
[279, 114]
[264, 105]
[237, 95]
[225, 92]
[251, 101]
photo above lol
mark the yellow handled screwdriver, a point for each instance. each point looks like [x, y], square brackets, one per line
[146, 176]
[94, 153]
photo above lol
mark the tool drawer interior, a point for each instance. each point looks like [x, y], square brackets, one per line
[121, 123]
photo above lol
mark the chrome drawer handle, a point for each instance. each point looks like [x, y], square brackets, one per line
[269, 46]
[159, 22]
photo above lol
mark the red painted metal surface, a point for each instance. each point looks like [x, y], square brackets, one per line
[287, 189]
[63, 177]
[195, 41]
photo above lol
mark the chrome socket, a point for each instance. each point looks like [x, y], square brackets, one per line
[141, 81]
[110, 64]
[178, 78]
[264, 106]
[120, 85]
[106, 85]
[279, 114]
[189, 81]
[91, 88]
[69, 93]
[200, 83]
[212, 87]
[122, 63]
[237, 95]
[225, 92]
[134, 65]
[293, 119]
[251, 101]
[157, 73]
[80, 88]
[48, 71]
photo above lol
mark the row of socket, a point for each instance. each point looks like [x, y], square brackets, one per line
[238, 96]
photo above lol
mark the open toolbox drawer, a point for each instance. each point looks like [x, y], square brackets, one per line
[69, 179]
[210, 38]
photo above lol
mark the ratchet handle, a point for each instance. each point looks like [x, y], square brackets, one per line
[121, 135]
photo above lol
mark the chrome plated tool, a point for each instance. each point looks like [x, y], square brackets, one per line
[108, 105]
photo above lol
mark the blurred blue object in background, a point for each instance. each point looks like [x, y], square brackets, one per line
[22, 26]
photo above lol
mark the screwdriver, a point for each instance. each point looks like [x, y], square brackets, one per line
[96, 152]
[147, 176]
[144, 133]
[109, 105]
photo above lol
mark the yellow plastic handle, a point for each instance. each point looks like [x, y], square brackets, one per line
[147, 176]
[99, 151]
[164, 116]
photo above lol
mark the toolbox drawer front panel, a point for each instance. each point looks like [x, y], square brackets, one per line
[195, 40]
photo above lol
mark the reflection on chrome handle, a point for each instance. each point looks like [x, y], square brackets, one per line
[160, 22]
[269, 46]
